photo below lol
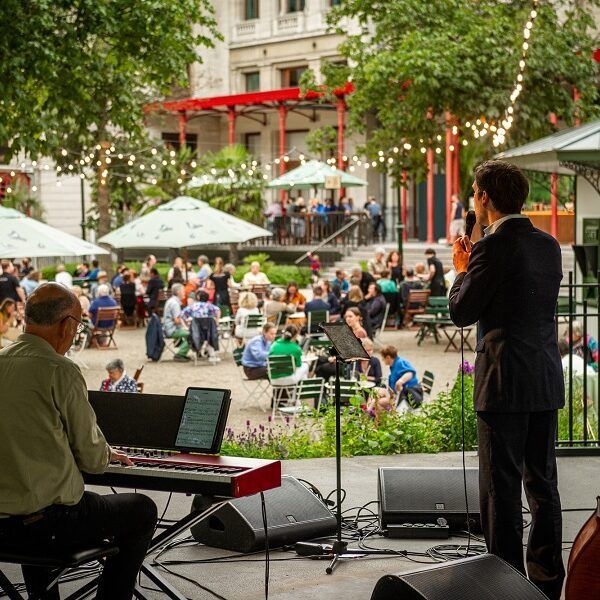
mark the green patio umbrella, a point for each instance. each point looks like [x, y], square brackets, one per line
[21, 235]
[182, 223]
[312, 174]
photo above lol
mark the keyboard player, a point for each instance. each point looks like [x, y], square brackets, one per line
[48, 436]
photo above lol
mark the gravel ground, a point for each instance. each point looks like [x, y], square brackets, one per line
[170, 377]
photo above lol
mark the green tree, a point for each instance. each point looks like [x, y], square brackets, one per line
[21, 199]
[76, 72]
[410, 58]
[232, 181]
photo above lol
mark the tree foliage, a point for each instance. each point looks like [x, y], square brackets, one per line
[411, 57]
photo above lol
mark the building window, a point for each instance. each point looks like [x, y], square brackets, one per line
[291, 77]
[251, 9]
[172, 140]
[252, 143]
[294, 5]
[252, 81]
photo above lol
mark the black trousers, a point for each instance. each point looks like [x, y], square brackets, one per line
[253, 373]
[517, 448]
[128, 520]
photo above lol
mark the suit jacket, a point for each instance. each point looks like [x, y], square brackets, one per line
[511, 287]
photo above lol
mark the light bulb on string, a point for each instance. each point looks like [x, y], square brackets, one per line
[34, 188]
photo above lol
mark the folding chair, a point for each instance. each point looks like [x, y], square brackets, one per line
[314, 319]
[251, 325]
[104, 315]
[415, 304]
[377, 332]
[278, 367]
[307, 389]
[80, 342]
[254, 387]
[427, 382]
[138, 373]
[348, 389]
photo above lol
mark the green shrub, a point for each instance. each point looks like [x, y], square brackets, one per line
[278, 274]
[49, 272]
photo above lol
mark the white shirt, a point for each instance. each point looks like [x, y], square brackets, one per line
[251, 279]
[64, 278]
[494, 226]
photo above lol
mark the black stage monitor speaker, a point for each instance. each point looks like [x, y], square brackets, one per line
[294, 514]
[423, 495]
[484, 577]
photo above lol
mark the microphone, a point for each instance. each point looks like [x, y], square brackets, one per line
[470, 222]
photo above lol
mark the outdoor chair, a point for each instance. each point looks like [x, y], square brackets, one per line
[255, 388]
[437, 305]
[251, 326]
[105, 315]
[280, 367]
[320, 346]
[427, 382]
[310, 389]
[59, 562]
[80, 343]
[416, 303]
[260, 291]
[379, 330]
[313, 319]
[129, 316]
[136, 377]
[204, 338]
[348, 389]
[160, 303]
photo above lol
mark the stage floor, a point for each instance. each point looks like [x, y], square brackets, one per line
[304, 579]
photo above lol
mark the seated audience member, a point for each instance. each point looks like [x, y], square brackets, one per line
[318, 302]
[376, 306]
[128, 295]
[294, 298]
[49, 431]
[341, 281]
[101, 279]
[371, 369]
[103, 300]
[63, 277]
[387, 285]
[176, 277]
[8, 309]
[274, 304]
[247, 305]
[403, 379]
[203, 338]
[255, 276]
[30, 282]
[117, 279]
[26, 267]
[84, 301]
[173, 324]
[420, 271]
[579, 366]
[354, 319]
[394, 266]
[585, 348]
[362, 279]
[9, 283]
[355, 299]
[153, 288]
[204, 269]
[82, 270]
[377, 265]
[200, 308]
[331, 297]
[254, 359]
[177, 264]
[287, 345]
[118, 380]
[146, 266]
[209, 288]
[93, 273]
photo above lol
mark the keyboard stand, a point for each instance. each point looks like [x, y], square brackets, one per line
[158, 541]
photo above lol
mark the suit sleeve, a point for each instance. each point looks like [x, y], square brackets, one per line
[472, 291]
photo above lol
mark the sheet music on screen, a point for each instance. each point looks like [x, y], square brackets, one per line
[200, 418]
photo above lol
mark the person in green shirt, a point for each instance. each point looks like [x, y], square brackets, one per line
[387, 285]
[287, 345]
[48, 436]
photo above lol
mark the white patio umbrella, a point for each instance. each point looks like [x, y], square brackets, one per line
[21, 235]
[182, 223]
[313, 174]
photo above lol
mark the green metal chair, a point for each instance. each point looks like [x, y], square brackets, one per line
[255, 388]
[279, 367]
[311, 389]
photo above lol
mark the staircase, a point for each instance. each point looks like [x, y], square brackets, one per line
[414, 252]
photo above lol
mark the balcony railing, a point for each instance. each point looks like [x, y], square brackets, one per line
[288, 22]
[245, 28]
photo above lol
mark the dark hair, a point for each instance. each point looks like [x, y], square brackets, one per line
[268, 326]
[318, 290]
[51, 309]
[291, 283]
[378, 291]
[95, 264]
[410, 272]
[153, 271]
[290, 332]
[126, 277]
[202, 296]
[385, 273]
[389, 351]
[430, 251]
[505, 185]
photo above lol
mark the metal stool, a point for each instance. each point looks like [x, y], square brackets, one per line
[59, 561]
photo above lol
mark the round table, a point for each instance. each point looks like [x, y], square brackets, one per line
[298, 319]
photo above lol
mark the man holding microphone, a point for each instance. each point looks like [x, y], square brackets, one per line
[509, 283]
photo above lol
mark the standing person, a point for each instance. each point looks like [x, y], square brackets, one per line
[203, 268]
[30, 282]
[394, 265]
[509, 282]
[222, 282]
[48, 437]
[315, 266]
[26, 267]
[457, 222]
[373, 209]
[9, 284]
[146, 266]
[435, 275]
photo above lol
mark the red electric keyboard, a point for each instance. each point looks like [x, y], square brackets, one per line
[169, 471]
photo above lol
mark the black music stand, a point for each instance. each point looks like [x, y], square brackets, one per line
[346, 348]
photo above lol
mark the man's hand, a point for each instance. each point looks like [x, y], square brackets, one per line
[461, 252]
[120, 457]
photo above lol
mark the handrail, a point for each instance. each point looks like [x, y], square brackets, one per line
[353, 221]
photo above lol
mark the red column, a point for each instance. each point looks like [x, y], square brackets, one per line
[282, 164]
[404, 204]
[553, 194]
[430, 165]
[341, 111]
[456, 166]
[449, 174]
[182, 122]
[231, 125]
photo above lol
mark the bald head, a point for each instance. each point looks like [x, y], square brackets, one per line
[49, 304]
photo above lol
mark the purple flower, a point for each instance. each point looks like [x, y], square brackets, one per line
[467, 368]
[248, 423]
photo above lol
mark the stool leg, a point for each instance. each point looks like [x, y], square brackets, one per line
[9, 588]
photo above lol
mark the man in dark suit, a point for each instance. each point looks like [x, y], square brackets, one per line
[318, 302]
[509, 282]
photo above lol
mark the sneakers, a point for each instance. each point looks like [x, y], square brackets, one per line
[181, 358]
[214, 359]
[204, 349]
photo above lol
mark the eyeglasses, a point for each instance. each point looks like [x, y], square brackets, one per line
[81, 326]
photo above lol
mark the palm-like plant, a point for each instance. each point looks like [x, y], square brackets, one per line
[24, 201]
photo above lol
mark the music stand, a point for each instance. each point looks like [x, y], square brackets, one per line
[346, 348]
